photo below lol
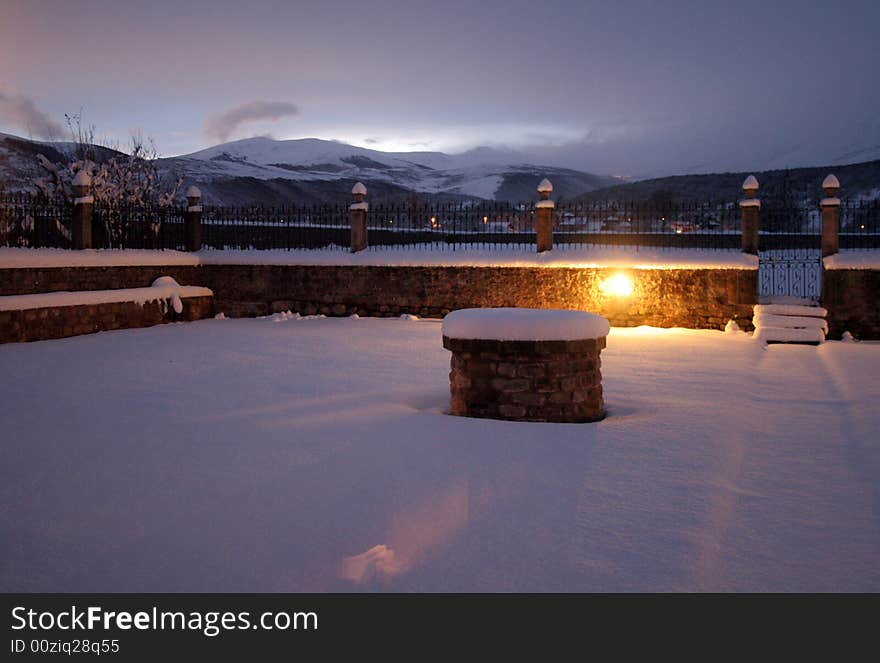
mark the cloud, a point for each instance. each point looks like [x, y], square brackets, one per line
[222, 125]
[22, 113]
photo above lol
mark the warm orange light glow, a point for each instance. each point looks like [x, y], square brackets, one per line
[619, 285]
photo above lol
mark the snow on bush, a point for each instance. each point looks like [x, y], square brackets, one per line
[123, 179]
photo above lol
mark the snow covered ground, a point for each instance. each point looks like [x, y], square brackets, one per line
[282, 455]
[413, 255]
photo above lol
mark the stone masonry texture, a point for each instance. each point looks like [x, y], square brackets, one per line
[699, 299]
[692, 298]
[62, 321]
[558, 381]
[852, 298]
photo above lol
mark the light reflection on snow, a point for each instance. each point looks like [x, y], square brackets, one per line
[412, 535]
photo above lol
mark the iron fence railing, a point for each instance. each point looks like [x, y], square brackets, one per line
[34, 221]
[287, 227]
[860, 224]
[121, 225]
[496, 225]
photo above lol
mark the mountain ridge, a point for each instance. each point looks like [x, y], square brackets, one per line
[477, 173]
[264, 171]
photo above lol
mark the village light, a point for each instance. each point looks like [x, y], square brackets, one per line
[619, 285]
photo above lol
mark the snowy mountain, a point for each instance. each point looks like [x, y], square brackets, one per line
[310, 171]
[325, 169]
[273, 172]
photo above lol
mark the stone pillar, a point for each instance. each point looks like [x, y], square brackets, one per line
[83, 203]
[750, 207]
[358, 215]
[830, 217]
[544, 212]
[193, 219]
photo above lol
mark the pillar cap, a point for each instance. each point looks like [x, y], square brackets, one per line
[750, 183]
[359, 189]
[82, 178]
[831, 185]
[545, 186]
[193, 192]
[830, 181]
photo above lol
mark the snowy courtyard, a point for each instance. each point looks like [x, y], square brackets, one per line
[285, 454]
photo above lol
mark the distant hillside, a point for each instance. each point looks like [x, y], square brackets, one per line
[859, 180]
[18, 160]
[256, 170]
[263, 171]
[278, 192]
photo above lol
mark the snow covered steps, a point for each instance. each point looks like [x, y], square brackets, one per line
[48, 315]
[790, 323]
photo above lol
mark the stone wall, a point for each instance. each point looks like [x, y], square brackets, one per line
[558, 381]
[34, 280]
[693, 298]
[852, 298]
[62, 321]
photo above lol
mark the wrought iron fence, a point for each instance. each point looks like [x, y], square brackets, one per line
[498, 225]
[32, 221]
[860, 224]
[288, 227]
[120, 225]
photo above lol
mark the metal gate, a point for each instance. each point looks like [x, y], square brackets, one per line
[790, 253]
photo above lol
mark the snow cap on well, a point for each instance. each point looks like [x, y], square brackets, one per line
[524, 324]
[82, 178]
[359, 189]
[545, 186]
[830, 182]
[193, 192]
[750, 183]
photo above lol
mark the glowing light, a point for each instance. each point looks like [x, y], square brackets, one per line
[618, 285]
[486, 220]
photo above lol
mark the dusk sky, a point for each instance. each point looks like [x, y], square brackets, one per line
[630, 88]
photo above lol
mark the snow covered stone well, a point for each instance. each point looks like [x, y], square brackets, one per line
[526, 364]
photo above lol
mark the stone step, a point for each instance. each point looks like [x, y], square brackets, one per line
[787, 335]
[48, 315]
[789, 321]
[790, 309]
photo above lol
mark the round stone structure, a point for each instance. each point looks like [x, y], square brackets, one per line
[526, 364]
